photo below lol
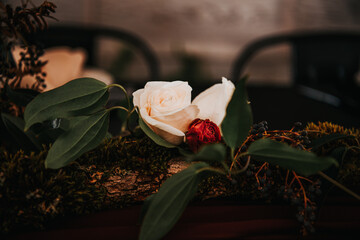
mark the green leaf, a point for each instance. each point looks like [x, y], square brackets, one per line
[210, 153]
[238, 119]
[153, 136]
[169, 203]
[84, 135]
[302, 162]
[146, 206]
[316, 143]
[78, 97]
[48, 131]
[14, 125]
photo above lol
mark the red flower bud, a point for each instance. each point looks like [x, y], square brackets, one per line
[202, 132]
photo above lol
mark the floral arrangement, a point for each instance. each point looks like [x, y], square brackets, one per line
[214, 132]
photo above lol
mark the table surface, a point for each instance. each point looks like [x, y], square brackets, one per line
[339, 218]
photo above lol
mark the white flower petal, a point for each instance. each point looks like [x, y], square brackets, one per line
[213, 101]
[181, 119]
[167, 132]
[136, 97]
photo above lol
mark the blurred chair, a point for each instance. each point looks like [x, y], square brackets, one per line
[324, 64]
[87, 37]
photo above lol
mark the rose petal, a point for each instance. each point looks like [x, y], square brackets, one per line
[181, 119]
[167, 132]
[136, 97]
[163, 98]
[213, 101]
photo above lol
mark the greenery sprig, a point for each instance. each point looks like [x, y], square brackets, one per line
[81, 103]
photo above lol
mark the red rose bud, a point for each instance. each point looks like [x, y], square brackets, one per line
[202, 132]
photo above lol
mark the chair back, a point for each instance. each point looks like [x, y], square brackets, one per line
[86, 38]
[324, 64]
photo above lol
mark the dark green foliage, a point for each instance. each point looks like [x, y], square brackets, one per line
[170, 201]
[303, 162]
[238, 119]
[34, 195]
[78, 97]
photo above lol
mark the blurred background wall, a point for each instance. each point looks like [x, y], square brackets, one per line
[209, 33]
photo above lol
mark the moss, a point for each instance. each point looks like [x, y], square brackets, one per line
[34, 196]
[349, 172]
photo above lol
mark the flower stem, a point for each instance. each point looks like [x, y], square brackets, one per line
[245, 167]
[117, 107]
[211, 169]
[126, 123]
[339, 185]
[123, 89]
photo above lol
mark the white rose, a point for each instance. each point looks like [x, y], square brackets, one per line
[213, 102]
[166, 108]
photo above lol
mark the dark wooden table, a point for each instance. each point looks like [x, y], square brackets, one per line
[339, 218]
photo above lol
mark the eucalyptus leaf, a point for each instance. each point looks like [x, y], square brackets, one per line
[78, 97]
[238, 119]
[210, 153]
[14, 126]
[84, 135]
[316, 143]
[302, 162]
[169, 203]
[153, 136]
